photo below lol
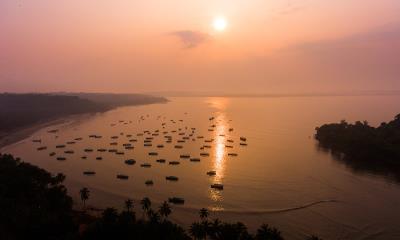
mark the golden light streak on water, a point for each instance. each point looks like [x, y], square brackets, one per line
[219, 156]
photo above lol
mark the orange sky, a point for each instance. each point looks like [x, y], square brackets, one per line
[269, 46]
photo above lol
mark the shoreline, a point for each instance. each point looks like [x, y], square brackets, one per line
[11, 138]
[17, 135]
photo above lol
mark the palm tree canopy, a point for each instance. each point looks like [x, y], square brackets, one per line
[165, 209]
[129, 204]
[85, 193]
[203, 213]
[146, 203]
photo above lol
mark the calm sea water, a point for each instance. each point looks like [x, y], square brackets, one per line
[280, 177]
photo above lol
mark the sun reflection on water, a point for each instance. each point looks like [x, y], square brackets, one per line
[219, 156]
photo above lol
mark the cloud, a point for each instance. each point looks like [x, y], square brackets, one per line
[191, 39]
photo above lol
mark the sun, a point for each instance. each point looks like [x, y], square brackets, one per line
[219, 24]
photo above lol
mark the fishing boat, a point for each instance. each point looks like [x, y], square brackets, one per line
[161, 160]
[160, 146]
[149, 182]
[204, 154]
[130, 161]
[101, 150]
[176, 200]
[195, 159]
[69, 152]
[52, 154]
[178, 146]
[123, 177]
[153, 153]
[71, 142]
[171, 178]
[88, 150]
[89, 173]
[184, 156]
[99, 158]
[61, 158]
[60, 146]
[41, 148]
[232, 154]
[145, 165]
[243, 139]
[211, 173]
[243, 144]
[174, 163]
[217, 186]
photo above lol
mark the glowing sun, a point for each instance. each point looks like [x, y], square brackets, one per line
[219, 24]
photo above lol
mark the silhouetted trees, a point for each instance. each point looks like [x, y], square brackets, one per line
[363, 147]
[35, 205]
[84, 193]
[21, 110]
[363, 142]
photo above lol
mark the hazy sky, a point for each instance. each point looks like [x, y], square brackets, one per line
[268, 46]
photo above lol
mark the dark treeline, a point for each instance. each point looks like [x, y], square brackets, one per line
[34, 205]
[117, 100]
[364, 147]
[20, 110]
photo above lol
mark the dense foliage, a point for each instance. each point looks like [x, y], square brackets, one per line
[34, 204]
[364, 146]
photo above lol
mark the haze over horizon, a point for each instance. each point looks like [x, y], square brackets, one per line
[260, 47]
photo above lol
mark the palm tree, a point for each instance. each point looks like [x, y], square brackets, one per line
[165, 210]
[154, 217]
[146, 204]
[128, 204]
[85, 193]
[203, 214]
[269, 233]
[197, 231]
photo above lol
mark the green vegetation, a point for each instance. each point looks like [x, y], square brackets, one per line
[363, 147]
[35, 205]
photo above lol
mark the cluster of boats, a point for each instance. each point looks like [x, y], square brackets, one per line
[181, 135]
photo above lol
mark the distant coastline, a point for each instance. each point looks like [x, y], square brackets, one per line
[275, 95]
[23, 114]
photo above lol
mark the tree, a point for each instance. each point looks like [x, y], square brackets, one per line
[197, 231]
[34, 204]
[146, 204]
[165, 210]
[85, 193]
[203, 213]
[128, 204]
[268, 233]
[154, 217]
[110, 215]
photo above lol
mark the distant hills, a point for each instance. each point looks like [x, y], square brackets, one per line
[21, 110]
